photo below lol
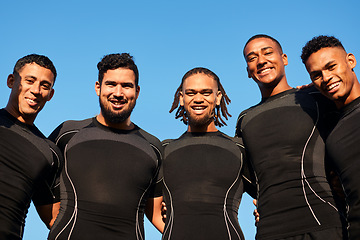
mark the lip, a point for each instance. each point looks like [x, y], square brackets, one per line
[32, 102]
[264, 71]
[198, 109]
[333, 87]
[117, 104]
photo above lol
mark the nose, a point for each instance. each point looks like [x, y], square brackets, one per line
[35, 88]
[118, 91]
[261, 60]
[198, 98]
[327, 76]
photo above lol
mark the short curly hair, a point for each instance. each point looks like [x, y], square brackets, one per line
[41, 60]
[115, 61]
[220, 110]
[317, 43]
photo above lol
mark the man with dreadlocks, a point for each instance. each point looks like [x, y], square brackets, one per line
[203, 170]
[284, 140]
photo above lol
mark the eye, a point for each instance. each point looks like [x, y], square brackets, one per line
[315, 76]
[332, 67]
[207, 93]
[127, 85]
[251, 58]
[45, 86]
[190, 93]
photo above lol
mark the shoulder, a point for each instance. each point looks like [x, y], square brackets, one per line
[67, 127]
[154, 141]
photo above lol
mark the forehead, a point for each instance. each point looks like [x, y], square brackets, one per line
[199, 81]
[36, 71]
[120, 74]
[259, 44]
[325, 55]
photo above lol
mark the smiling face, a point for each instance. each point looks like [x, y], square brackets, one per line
[31, 88]
[199, 97]
[266, 64]
[117, 96]
[331, 71]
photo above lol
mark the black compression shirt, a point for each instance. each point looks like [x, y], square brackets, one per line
[108, 176]
[203, 186]
[343, 148]
[283, 137]
[29, 170]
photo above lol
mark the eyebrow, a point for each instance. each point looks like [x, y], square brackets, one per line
[329, 63]
[264, 48]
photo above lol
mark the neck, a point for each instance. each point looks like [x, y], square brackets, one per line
[271, 91]
[27, 120]
[354, 94]
[125, 125]
[205, 128]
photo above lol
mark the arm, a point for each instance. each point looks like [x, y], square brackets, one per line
[153, 212]
[48, 213]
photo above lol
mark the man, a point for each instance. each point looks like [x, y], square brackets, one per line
[283, 136]
[331, 69]
[29, 164]
[203, 169]
[111, 164]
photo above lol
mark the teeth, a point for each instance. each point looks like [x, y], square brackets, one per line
[31, 101]
[265, 70]
[333, 86]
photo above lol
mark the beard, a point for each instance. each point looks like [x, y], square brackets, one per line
[116, 117]
[200, 121]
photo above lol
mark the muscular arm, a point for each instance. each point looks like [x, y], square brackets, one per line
[48, 213]
[153, 212]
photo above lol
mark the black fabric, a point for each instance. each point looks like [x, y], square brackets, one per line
[284, 139]
[343, 148]
[108, 176]
[203, 186]
[29, 170]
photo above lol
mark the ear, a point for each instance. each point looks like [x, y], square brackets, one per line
[97, 88]
[351, 60]
[137, 91]
[181, 98]
[51, 94]
[10, 80]
[247, 69]
[285, 59]
[218, 98]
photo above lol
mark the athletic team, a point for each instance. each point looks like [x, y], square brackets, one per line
[294, 152]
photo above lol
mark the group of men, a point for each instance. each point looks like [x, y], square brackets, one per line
[95, 178]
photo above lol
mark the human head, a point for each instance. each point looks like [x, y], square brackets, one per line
[263, 36]
[220, 109]
[40, 60]
[31, 86]
[117, 89]
[331, 69]
[117, 60]
[266, 64]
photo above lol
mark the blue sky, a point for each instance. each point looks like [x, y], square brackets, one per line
[166, 38]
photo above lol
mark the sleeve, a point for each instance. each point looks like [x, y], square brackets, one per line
[247, 172]
[48, 189]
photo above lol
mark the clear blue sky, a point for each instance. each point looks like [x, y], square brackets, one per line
[167, 38]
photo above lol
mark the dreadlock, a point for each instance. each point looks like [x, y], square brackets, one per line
[225, 100]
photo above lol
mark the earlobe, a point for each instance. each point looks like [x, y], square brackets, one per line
[218, 99]
[351, 60]
[51, 94]
[247, 69]
[137, 91]
[97, 88]
[10, 80]
[285, 59]
[181, 99]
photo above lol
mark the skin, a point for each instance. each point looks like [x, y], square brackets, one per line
[331, 71]
[31, 88]
[118, 93]
[266, 66]
[199, 97]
